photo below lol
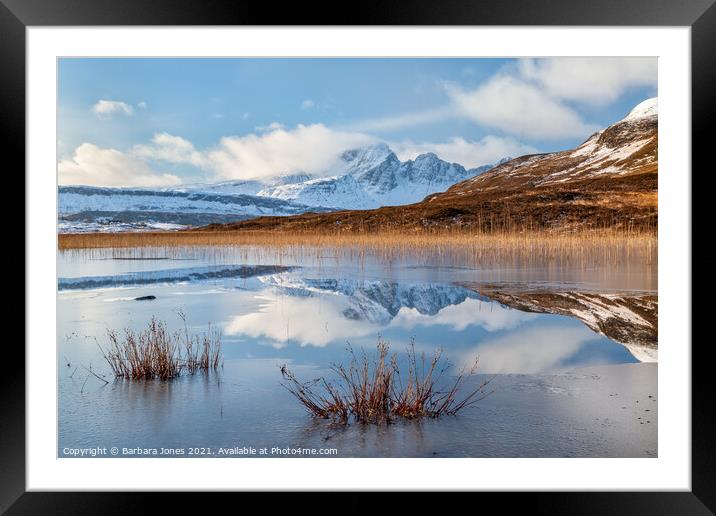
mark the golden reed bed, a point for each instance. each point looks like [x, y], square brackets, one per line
[586, 246]
[379, 239]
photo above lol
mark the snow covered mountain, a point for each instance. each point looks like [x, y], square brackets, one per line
[373, 176]
[365, 178]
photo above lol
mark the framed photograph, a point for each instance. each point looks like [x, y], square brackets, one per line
[445, 248]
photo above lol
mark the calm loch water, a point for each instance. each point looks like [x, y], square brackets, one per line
[560, 389]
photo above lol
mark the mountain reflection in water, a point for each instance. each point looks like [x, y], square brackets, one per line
[293, 312]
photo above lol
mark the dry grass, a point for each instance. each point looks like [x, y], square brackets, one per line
[377, 391]
[201, 352]
[156, 353]
[582, 247]
[324, 239]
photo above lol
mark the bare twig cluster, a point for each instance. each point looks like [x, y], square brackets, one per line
[155, 352]
[377, 391]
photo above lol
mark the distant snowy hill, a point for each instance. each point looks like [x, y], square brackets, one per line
[86, 208]
[365, 178]
[241, 187]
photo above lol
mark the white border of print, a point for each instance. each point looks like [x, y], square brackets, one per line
[671, 470]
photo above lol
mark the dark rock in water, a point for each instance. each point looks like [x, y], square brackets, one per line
[145, 298]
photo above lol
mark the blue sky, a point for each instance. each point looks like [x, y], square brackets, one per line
[129, 122]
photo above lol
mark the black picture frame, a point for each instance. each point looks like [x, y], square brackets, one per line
[700, 15]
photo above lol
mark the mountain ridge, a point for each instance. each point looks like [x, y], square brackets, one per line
[609, 181]
[368, 177]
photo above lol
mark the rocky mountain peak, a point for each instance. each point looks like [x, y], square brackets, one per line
[427, 157]
[367, 156]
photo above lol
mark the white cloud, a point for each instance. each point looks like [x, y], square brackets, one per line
[527, 99]
[173, 149]
[142, 105]
[276, 150]
[589, 79]
[314, 149]
[471, 312]
[307, 148]
[401, 121]
[485, 151]
[92, 165]
[307, 321]
[109, 108]
[308, 104]
[518, 108]
[529, 350]
[273, 126]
